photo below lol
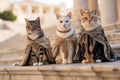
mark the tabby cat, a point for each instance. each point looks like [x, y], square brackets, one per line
[90, 21]
[64, 47]
[38, 51]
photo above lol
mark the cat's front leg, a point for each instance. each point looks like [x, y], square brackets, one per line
[64, 61]
[34, 59]
[70, 54]
[40, 60]
[64, 56]
[41, 56]
[98, 56]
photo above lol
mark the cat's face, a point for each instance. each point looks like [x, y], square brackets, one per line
[33, 28]
[64, 22]
[88, 17]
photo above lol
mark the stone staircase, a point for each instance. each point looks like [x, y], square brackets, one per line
[114, 40]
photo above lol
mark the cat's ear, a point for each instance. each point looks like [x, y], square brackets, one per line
[95, 12]
[38, 19]
[69, 15]
[58, 15]
[27, 21]
[82, 11]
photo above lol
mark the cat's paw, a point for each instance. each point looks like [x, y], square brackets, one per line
[35, 64]
[16, 64]
[98, 61]
[70, 62]
[84, 61]
[64, 62]
[40, 63]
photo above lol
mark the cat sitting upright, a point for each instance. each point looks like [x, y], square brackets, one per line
[92, 44]
[65, 41]
[38, 51]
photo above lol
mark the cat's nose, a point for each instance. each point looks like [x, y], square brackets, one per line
[89, 21]
[29, 33]
[64, 25]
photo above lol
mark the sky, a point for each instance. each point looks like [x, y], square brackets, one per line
[68, 3]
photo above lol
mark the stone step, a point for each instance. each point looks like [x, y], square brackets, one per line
[5, 37]
[116, 48]
[97, 71]
[13, 54]
[114, 38]
[10, 61]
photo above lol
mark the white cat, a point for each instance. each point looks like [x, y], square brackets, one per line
[65, 39]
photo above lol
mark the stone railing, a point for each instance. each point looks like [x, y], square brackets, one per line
[97, 71]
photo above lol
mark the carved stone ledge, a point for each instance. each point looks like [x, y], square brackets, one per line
[97, 71]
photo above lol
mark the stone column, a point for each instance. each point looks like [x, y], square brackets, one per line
[108, 11]
[93, 4]
[118, 9]
[77, 5]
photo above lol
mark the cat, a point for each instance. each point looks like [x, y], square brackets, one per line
[38, 51]
[65, 42]
[90, 21]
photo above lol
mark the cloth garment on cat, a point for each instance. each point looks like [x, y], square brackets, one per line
[64, 42]
[44, 42]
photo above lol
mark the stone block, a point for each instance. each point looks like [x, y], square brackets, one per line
[4, 74]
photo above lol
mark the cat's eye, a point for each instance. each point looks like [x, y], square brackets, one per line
[85, 18]
[66, 21]
[92, 17]
[61, 21]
